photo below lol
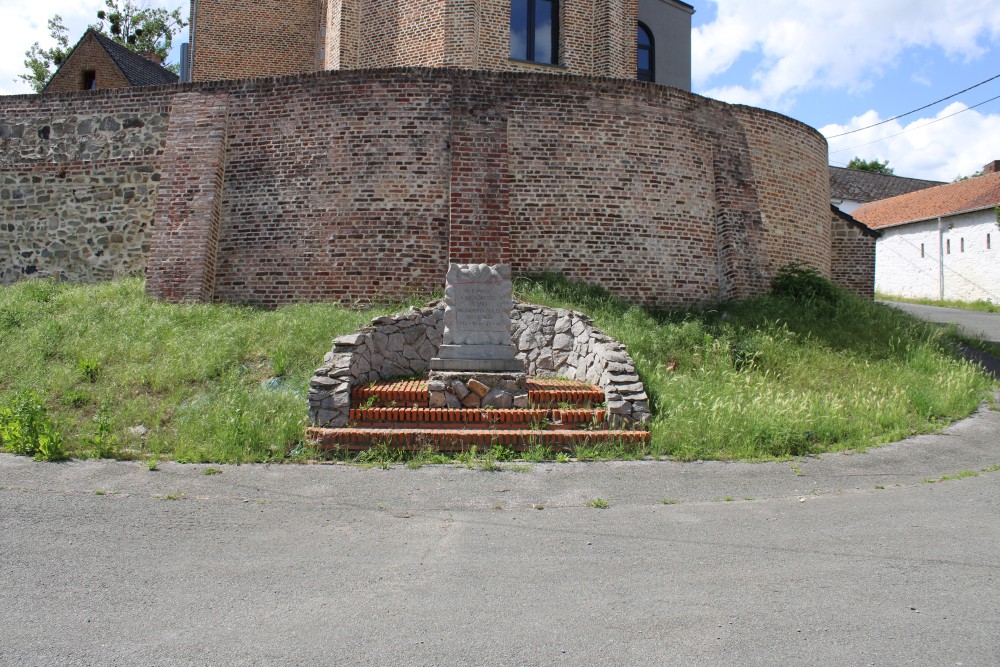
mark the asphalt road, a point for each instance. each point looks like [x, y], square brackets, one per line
[841, 560]
[974, 322]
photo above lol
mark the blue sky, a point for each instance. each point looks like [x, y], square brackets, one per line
[839, 66]
[836, 66]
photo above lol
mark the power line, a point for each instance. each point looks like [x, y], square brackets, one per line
[902, 115]
[919, 127]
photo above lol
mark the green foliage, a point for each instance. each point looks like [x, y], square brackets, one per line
[974, 174]
[599, 503]
[874, 166]
[980, 305]
[103, 444]
[26, 429]
[136, 26]
[804, 284]
[810, 371]
[41, 63]
[775, 376]
[191, 374]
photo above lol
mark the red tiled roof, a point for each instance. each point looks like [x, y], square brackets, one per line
[971, 194]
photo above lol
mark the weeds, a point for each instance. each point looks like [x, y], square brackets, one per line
[599, 503]
[804, 370]
[26, 429]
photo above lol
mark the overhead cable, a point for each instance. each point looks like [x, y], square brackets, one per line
[931, 122]
[902, 115]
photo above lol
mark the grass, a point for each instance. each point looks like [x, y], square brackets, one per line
[781, 376]
[980, 305]
[767, 378]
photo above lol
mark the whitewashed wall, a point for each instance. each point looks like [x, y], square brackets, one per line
[970, 274]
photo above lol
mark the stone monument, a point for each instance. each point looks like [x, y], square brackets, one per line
[477, 364]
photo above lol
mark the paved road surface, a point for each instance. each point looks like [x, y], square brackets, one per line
[984, 325]
[843, 560]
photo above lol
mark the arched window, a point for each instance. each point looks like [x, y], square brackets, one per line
[645, 52]
[534, 31]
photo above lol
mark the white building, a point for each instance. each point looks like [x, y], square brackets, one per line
[939, 243]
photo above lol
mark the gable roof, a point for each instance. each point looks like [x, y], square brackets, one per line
[854, 222]
[137, 70]
[969, 195]
[865, 186]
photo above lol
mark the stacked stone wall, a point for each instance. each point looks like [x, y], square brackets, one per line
[79, 175]
[550, 341]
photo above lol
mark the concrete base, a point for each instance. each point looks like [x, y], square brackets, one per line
[477, 359]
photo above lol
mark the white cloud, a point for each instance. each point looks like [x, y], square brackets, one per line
[22, 24]
[846, 45]
[938, 148]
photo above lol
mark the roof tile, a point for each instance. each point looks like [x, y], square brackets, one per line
[974, 193]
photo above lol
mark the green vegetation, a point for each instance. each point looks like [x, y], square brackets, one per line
[981, 305]
[116, 374]
[875, 166]
[599, 503]
[139, 28]
[104, 371]
[813, 369]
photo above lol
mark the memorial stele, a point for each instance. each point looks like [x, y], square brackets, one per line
[478, 301]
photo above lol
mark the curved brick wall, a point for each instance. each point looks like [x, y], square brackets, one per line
[793, 182]
[362, 184]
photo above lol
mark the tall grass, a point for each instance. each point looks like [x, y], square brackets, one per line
[193, 382]
[781, 375]
[770, 377]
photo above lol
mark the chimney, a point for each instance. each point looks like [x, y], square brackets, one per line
[150, 55]
[991, 167]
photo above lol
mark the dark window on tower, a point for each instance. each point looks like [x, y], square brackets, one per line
[646, 52]
[89, 79]
[534, 30]
[921, 249]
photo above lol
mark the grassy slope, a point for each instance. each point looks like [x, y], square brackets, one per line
[774, 377]
[758, 379]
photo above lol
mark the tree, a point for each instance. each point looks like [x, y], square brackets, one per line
[39, 61]
[874, 166]
[974, 174]
[137, 27]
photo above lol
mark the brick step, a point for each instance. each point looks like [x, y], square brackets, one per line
[542, 393]
[445, 439]
[494, 416]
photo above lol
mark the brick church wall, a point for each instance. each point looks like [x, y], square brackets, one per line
[243, 38]
[248, 38]
[361, 184]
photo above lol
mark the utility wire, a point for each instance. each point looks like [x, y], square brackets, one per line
[919, 127]
[902, 115]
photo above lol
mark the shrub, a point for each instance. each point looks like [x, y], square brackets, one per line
[804, 284]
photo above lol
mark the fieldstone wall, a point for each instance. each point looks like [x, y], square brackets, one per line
[566, 343]
[78, 183]
[553, 342]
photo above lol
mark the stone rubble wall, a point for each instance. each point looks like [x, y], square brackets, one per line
[565, 343]
[79, 175]
[552, 342]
